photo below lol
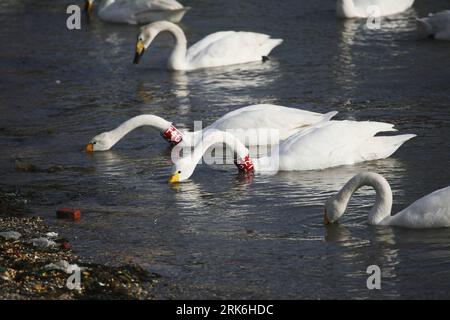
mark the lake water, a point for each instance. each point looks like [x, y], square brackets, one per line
[217, 235]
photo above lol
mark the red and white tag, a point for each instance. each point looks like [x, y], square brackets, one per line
[244, 165]
[172, 135]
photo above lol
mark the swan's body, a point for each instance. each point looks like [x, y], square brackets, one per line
[217, 49]
[139, 11]
[368, 8]
[243, 121]
[430, 211]
[436, 25]
[328, 144]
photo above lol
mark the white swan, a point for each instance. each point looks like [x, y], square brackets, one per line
[370, 8]
[436, 25]
[138, 11]
[217, 49]
[329, 144]
[430, 211]
[242, 121]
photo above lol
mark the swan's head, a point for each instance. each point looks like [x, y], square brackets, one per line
[101, 142]
[88, 6]
[182, 170]
[144, 39]
[148, 33]
[333, 210]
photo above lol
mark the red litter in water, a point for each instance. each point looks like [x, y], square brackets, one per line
[66, 213]
[66, 245]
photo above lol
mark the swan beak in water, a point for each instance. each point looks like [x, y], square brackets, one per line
[174, 178]
[140, 48]
[89, 148]
[325, 218]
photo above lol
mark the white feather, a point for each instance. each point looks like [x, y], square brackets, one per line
[140, 11]
[362, 8]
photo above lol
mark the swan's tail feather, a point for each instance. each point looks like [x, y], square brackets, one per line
[268, 46]
[377, 127]
[385, 146]
[424, 27]
[327, 116]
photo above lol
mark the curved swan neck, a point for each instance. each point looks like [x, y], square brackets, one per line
[177, 59]
[383, 202]
[216, 137]
[139, 121]
[345, 8]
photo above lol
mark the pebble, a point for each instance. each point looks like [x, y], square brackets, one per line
[51, 234]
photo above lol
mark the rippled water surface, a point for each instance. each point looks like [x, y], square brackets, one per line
[219, 235]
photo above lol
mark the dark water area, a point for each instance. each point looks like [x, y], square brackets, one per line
[218, 236]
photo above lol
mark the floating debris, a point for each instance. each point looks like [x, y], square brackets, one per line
[25, 166]
[65, 213]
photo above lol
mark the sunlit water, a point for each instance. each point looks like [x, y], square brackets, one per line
[219, 235]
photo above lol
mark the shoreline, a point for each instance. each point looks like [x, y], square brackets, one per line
[37, 263]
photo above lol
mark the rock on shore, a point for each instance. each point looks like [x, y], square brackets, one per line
[36, 263]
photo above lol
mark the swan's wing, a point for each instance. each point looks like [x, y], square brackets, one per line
[137, 6]
[160, 15]
[336, 143]
[268, 116]
[206, 41]
[229, 47]
[141, 11]
[430, 211]
[166, 4]
[386, 7]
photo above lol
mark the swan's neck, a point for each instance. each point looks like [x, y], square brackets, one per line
[177, 59]
[345, 8]
[243, 161]
[165, 127]
[383, 202]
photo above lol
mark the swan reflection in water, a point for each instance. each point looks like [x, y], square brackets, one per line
[355, 36]
[219, 83]
[306, 188]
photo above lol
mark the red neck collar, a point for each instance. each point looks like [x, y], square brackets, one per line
[245, 165]
[172, 135]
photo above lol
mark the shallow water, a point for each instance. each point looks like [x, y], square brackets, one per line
[219, 235]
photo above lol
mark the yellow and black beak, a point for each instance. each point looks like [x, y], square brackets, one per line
[89, 148]
[174, 178]
[88, 7]
[140, 48]
[325, 218]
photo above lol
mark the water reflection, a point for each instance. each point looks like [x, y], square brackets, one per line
[222, 234]
[189, 195]
[355, 46]
[378, 249]
[315, 186]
